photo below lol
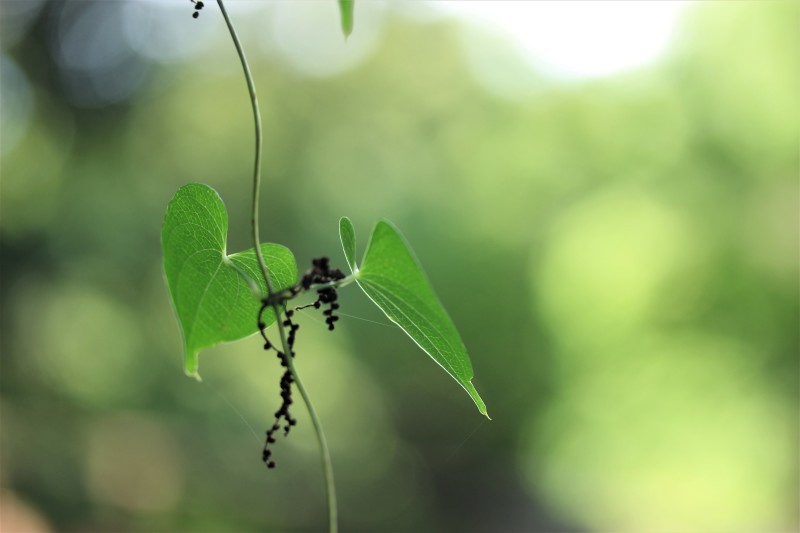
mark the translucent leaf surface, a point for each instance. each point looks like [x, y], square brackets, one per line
[392, 278]
[211, 298]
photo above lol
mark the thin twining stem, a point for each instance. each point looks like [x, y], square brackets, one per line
[327, 466]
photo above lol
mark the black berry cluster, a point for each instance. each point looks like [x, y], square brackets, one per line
[321, 273]
[286, 384]
[198, 5]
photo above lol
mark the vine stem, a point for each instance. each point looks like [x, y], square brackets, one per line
[327, 465]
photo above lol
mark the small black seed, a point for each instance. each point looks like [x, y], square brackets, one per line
[271, 464]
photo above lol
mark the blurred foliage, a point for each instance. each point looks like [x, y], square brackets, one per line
[621, 256]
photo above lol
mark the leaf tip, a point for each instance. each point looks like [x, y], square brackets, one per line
[190, 364]
[346, 12]
[473, 393]
[482, 407]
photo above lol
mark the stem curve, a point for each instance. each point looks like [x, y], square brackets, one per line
[327, 465]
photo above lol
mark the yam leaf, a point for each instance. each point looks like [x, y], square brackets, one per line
[393, 279]
[212, 298]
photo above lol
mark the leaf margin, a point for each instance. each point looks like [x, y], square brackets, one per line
[346, 230]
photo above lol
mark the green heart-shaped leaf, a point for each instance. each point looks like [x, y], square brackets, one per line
[211, 296]
[391, 276]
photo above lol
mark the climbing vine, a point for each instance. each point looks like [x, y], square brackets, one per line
[221, 297]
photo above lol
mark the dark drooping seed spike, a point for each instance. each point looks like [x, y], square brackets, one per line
[285, 388]
[319, 274]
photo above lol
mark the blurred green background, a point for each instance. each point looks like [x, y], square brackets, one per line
[619, 252]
